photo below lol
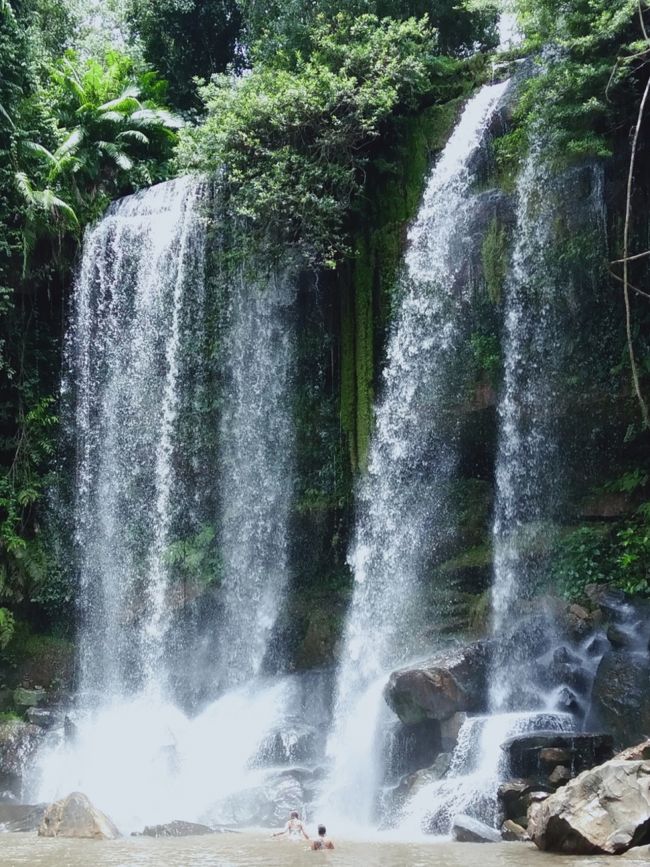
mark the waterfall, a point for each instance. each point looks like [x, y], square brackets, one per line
[533, 457]
[257, 447]
[403, 504]
[148, 356]
[137, 303]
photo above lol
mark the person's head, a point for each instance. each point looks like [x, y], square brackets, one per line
[293, 814]
[322, 830]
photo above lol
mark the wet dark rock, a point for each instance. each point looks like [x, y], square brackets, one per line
[18, 743]
[412, 747]
[559, 776]
[619, 636]
[453, 681]
[449, 730]
[597, 646]
[468, 830]
[295, 742]
[620, 700]
[75, 816]
[21, 817]
[585, 751]
[177, 828]
[46, 719]
[554, 755]
[566, 700]
[603, 811]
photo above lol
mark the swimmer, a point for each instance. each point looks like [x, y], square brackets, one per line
[322, 841]
[293, 828]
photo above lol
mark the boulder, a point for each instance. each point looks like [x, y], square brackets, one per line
[465, 829]
[513, 832]
[46, 719]
[18, 743]
[177, 828]
[585, 750]
[452, 682]
[75, 816]
[603, 811]
[554, 755]
[559, 776]
[620, 699]
[636, 753]
[409, 748]
[21, 817]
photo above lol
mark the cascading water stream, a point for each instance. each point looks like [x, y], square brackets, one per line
[257, 446]
[136, 378]
[138, 297]
[530, 469]
[403, 508]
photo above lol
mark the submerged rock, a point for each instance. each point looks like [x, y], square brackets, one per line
[21, 817]
[603, 811]
[75, 816]
[177, 828]
[468, 830]
[452, 682]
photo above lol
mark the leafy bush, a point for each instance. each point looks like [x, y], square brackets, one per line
[293, 134]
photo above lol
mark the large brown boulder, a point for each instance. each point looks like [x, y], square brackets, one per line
[603, 811]
[75, 816]
[451, 682]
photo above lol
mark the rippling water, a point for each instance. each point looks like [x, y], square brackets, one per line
[228, 850]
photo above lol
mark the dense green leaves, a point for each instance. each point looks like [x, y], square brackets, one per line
[186, 38]
[293, 134]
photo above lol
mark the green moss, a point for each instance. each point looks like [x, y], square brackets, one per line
[494, 256]
[393, 192]
[475, 558]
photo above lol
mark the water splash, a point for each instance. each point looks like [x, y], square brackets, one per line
[403, 507]
[477, 767]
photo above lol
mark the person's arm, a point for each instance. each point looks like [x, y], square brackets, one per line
[282, 832]
[304, 833]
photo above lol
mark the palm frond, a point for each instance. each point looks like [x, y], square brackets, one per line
[134, 135]
[25, 187]
[126, 101]
[70, 144]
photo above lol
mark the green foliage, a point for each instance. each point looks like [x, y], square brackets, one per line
[486, 352]
[294, 134]
[494, 256]
[617, 555]
[113, 135]
[186, 38]
[195, 559]
[282, 23]
[7, 626]
[582, 91]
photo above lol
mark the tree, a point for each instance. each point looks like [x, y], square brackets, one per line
[187, 38]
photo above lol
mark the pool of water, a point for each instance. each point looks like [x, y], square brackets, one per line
[253, 849]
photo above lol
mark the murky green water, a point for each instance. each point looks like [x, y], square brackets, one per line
[228, 850]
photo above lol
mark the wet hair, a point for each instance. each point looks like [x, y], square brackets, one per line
[322, 830]
[293, 814]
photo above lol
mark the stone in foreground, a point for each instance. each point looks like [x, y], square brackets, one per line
[469, 830]
[75, 816]
[603, 811]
